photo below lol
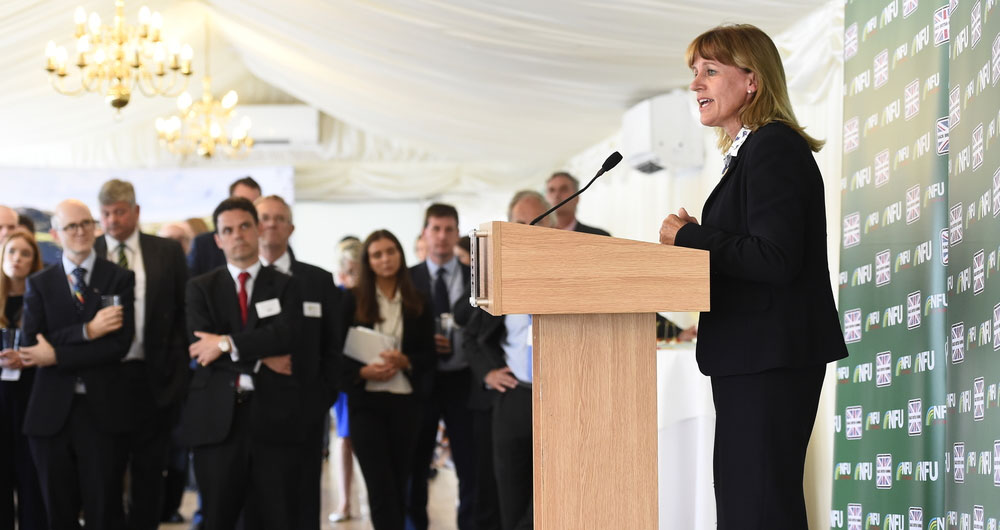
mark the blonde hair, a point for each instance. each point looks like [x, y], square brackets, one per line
[5, 281]
[747, 47]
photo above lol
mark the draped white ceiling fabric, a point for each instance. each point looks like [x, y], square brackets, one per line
[418, 96]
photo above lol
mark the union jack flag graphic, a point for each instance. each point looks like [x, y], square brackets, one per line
[880, 67]
[915, 411]
[911, 98]
[978, 272]
[881, 168]
[883, 471]
[852, 229]
[977, 23]
[883, 369]
[883, 268]
[995, 60]
[955, 224]
[957, 342]
[977, 147]
[909, 6]
[853, 517]
[978, 398]
[958, 459]
[852, 136]
[978, 515]
[945, 234]
[913, 310]
[941, 26]
[852, 420]
[913, 204]
[996, 193]
[996, 458]
[851, 41]
[852, 326]
[996, 328]
[954, 106]
[942, 136]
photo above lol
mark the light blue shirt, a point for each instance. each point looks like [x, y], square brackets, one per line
[517, 346]
[87, 266]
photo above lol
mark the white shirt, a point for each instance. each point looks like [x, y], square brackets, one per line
[246, 382]
[283, 264]
[134, 254]
[391, 310]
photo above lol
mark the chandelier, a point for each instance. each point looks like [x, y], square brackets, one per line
[200, 126]
[119, 59]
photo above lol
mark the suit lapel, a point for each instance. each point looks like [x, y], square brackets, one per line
[100, 278]
[224, 293]
[263, 289]
[151, 265]
[101, 247]
[422, 277]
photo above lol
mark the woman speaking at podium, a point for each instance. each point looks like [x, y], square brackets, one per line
[773, 325]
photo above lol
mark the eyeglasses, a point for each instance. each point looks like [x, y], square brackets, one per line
[82, 226]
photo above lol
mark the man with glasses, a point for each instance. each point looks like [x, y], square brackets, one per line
[79, 322]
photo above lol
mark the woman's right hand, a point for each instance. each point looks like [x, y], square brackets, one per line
[378, 372]
[10, 359]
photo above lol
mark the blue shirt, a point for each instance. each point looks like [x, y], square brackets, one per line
[517, 346]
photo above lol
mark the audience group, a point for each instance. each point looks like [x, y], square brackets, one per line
[134, 350]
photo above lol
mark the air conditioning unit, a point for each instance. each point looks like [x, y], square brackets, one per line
[662, 133]
[281, 126]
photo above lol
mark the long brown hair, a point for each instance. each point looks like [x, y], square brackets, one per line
[747, 47]
[364, 292]
[5, 281]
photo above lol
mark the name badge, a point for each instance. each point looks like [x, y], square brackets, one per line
[268, 308]
[312, 309]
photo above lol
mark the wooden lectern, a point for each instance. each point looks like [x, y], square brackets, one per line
[594, 363]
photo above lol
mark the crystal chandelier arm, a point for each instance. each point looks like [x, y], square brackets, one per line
[58, 83]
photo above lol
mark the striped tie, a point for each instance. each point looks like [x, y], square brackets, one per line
[122, 258]
[79, 282]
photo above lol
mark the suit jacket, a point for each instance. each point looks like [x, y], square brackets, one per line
[164, 341]
[421, 276]
[765, 226]
[417, 344]
[484, 334]
[204, 255]
[49, 309]
[213, 306]
[322, 336]
[580, 227]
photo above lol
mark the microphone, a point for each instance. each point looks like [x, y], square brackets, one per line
[608, 165]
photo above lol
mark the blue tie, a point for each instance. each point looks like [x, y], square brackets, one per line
[79, 287]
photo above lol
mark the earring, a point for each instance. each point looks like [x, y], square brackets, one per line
[749, 91]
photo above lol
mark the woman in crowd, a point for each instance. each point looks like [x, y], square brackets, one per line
[21, 258]
[348, 263]
[384, 423]
[773, 324]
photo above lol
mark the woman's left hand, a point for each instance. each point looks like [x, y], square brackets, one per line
[396, 359]
[673, 223]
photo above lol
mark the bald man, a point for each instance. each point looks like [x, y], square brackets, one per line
[79, 409]
[8, 221]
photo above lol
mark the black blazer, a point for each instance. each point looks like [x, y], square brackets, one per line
[212, 306]
[164, 341]
[49, 309]
[580, 227]
[322, 337]
[765, 226]
[204, 255]
[484, 334]
[417, 344]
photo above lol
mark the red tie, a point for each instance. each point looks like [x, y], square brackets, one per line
[243, 277]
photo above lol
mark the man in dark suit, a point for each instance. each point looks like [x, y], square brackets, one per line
[156, 364]
[80, 406]
[442, 279]
[205, 255]
[321, 339]
[243, 414]
[559, 186]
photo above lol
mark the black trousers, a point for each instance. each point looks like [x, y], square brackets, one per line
[512, 458]
[762, 427]
[449, 401]
[242, 473]
[81, 467]
[383, 433]
[147, 451]
[487, 503]
[17, 466]
[311, 468]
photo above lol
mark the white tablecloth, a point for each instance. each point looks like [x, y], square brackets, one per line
[685, 428]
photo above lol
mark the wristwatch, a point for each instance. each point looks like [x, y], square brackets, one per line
[224, 345]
